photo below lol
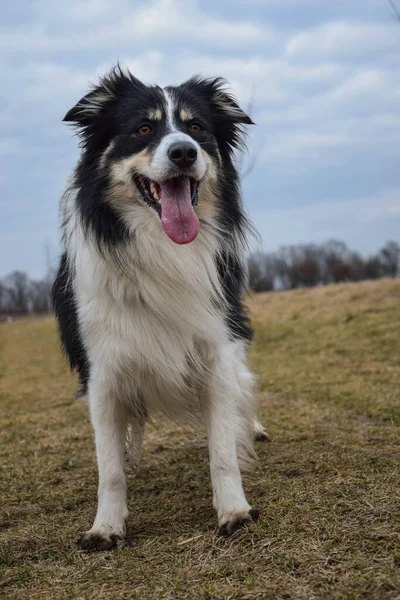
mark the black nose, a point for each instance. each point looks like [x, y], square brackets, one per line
[182, 154]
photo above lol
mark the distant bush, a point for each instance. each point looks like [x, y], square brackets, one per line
[307, 265]
[20, 295]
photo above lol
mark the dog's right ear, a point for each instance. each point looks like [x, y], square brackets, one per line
[116, 83]
[88, 107]
[92, 105]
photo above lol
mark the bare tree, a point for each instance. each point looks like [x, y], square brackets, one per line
[40, 296]
[390, 259]
[300, 265]
[49, 277]
[18, 286]
[3, 296]
[341, 271]
[373, 268]
[334, 254]
[20, 295]
[261, 277]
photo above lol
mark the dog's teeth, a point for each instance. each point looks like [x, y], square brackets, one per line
[153, 190]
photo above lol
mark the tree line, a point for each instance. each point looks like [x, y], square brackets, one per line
[301, 265]
[20, 295]
[307, 265]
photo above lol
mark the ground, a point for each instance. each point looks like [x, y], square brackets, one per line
[327, 484]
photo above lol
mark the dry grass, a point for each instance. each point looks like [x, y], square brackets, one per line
[328, 484]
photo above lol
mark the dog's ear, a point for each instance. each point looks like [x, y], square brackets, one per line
[116, 83]
[89, 107]
[226, 104]
[229, 118]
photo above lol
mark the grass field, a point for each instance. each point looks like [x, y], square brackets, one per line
[328, 484]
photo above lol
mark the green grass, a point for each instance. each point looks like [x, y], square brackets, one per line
[328, 484]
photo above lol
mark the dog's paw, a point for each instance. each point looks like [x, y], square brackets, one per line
[262, 436]
[98, 541]
[238, 521]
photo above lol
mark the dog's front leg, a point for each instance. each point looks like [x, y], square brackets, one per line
[109, 419]
[221, 416]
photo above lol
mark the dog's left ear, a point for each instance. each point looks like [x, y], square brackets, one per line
[229, 118]
[226, 104]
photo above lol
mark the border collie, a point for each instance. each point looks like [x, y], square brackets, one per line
[148, 294]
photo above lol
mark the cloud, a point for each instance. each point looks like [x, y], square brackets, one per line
[367, 87]
[294, 146]
[343, 41]
[79, 10]
[120, 24]
[274, 81]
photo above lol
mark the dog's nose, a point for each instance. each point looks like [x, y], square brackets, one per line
[182, 154]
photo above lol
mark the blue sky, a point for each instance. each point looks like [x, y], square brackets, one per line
[324, 75]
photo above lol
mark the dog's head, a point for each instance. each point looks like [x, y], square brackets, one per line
[164, 145]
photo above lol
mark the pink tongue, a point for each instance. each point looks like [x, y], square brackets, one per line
[178, 218]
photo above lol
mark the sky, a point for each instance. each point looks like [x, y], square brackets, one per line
[322, 78]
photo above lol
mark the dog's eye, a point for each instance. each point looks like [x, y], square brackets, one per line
[144, 130]
[195, 127]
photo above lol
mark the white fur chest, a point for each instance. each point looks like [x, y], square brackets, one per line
[148, 314]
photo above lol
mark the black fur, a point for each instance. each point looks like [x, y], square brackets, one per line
[98, 216]
[67, 316]
[232, 278]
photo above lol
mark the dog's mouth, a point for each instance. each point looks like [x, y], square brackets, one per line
[174, 200]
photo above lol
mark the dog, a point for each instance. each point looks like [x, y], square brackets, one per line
[148, 294]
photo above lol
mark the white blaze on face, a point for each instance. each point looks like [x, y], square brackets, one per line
[171, 108]
[161, 166]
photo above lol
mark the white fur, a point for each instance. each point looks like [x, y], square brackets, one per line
[170, 111]
[229, 386]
